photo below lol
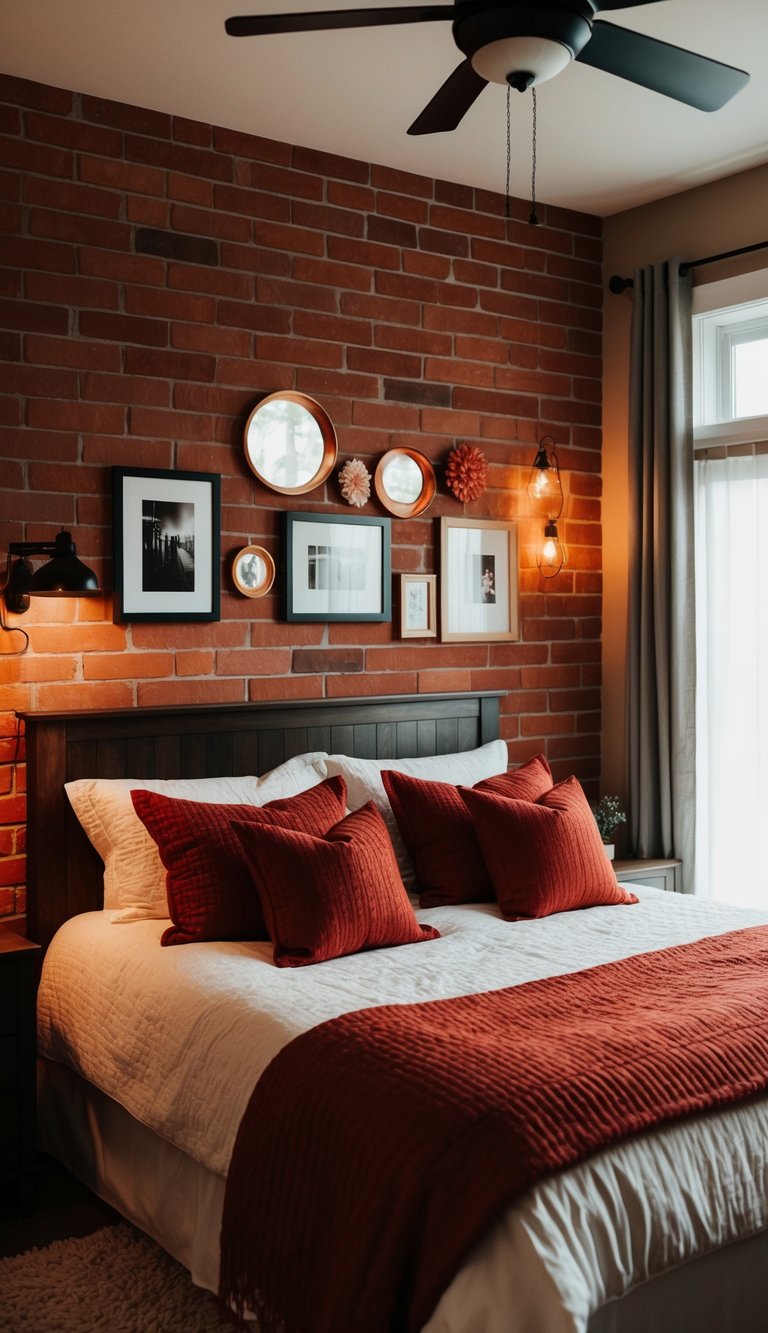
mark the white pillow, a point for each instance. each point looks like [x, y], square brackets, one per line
[134, 875]
[363, 779]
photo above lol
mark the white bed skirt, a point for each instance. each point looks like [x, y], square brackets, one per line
[178, 1203]
[148, 1180]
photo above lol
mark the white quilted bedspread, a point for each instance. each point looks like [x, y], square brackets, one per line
[180, 1035]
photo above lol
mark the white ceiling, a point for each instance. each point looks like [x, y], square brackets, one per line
[603, 144]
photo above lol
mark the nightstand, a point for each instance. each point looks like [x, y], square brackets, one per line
[660, 874]
[19, 962]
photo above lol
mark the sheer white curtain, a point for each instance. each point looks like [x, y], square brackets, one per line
[731, 524]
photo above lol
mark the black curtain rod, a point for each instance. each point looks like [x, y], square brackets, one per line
[617, 284]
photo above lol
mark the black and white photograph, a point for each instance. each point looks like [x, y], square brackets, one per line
[479, 580]
[251, 571]
[337, 567]
[168, 550]
[166, 544]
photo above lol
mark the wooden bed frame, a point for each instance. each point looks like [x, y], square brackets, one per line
[65, 873]
[65, 878]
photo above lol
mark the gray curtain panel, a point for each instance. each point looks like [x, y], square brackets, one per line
[661, 659]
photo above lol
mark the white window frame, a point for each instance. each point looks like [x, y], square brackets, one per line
[725, 313]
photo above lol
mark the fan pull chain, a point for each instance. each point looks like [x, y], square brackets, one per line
[509, 155]
[534, 217]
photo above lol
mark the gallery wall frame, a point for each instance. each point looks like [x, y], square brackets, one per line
[418, 606]
[166, 544]
[405, 482]
[290, 443]
[479, 596]
[337, 567]
[253, 571]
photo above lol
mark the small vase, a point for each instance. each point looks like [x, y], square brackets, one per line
[610, 850]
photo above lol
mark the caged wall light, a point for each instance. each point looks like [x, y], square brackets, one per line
[545, 492]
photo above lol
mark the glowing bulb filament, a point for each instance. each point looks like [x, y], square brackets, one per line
[545, 489]
[545, 484]
[550, 557]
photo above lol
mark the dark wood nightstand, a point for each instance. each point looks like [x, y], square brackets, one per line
[660, 874]
[19, 962]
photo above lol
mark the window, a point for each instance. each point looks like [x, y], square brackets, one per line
[731, 523]
[730, 365]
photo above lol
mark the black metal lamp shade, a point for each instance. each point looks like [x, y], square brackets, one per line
[62, 576]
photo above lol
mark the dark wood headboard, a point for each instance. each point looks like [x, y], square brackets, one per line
[64, 874]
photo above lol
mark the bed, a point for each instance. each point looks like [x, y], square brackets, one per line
[663, 1231]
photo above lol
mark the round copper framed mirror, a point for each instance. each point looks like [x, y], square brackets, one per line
[253, 571]
[405, 482]
[290, 444]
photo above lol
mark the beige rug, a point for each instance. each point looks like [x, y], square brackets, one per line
[116, 1280]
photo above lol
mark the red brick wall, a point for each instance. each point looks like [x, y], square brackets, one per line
[156, 277]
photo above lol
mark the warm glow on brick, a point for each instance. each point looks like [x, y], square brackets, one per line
[154, 295]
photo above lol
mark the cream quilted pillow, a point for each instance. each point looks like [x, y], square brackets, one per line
[134, 875]
[363, 779]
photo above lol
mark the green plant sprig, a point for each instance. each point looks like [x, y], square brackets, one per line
[608, 815]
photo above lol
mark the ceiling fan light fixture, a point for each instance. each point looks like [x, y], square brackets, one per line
[521, 62]
[524, 42]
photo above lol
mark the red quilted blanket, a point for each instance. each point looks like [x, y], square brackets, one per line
[378, 1146]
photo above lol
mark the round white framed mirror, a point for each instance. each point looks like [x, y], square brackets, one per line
[290, 444]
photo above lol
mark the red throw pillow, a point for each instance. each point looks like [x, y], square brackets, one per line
[332, 895]
[210, 891]
[544, 856]
[438, 831]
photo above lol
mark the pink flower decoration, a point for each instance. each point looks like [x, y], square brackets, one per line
[355, 482]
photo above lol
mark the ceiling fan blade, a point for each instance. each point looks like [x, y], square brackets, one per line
[451, 102]
[603, 5]
[260, 25]
[671, 70]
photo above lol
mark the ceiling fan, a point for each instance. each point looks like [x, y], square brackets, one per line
[524, 42]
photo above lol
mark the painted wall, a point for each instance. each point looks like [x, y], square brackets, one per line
[157, 277]
[708, 220]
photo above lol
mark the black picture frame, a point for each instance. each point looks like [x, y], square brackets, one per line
[167, 527]
[337, 567]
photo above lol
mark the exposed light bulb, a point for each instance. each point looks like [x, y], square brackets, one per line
[545, 485]
[545, 489]
[551, 556]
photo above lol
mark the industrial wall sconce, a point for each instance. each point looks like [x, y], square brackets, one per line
[550, 557]
[545, 489]
[63, 575]
[545, 492]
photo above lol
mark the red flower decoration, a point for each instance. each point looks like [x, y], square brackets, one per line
[466, 472]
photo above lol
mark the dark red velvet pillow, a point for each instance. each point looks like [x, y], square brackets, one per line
[339, 894]
[543, 856]
[438, 831]
[210, 890]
